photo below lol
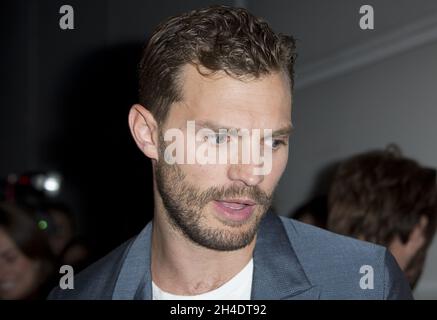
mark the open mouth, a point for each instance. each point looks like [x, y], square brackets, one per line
[235, 209]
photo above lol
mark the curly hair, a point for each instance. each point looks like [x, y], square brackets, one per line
[379, 195]
[218, 38]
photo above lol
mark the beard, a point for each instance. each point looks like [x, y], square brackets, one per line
[185, 206]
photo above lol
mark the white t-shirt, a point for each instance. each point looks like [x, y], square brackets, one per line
[238, 288]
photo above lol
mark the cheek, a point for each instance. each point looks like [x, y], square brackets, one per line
[278, 167]
[280, 160]
[28, 277]
[22, 271]
[204, 176]
[23, 265]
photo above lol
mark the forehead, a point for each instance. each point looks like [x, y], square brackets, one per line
[250, 103]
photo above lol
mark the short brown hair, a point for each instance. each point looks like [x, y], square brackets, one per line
[379, 195]
[219, 38]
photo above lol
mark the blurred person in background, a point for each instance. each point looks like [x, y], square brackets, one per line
[60, 227]
[26, 261]
[37, 193]
[385, 198]
[63, 229]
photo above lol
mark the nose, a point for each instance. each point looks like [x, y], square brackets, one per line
[244, 173]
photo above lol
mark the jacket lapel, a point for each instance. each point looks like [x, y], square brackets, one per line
[277, 272]
[135, 280]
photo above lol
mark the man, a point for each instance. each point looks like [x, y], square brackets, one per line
[211, 236]
[385, 198]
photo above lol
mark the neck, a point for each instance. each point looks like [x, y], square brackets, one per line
[182, 267]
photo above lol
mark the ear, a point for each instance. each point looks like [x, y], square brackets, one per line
[144, 130]
[416, 240]
[405, 252]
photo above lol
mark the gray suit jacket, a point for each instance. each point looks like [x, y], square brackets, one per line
[292, 260]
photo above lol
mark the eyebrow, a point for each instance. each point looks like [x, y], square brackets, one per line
[285, 131]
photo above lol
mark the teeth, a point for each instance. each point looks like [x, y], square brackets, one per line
[233, 205]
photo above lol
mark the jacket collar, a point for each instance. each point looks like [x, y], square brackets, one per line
[135, 278]
[277, 273]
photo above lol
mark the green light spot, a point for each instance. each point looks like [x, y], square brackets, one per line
[42, 224]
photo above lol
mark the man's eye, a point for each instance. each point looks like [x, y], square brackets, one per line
[274, 143]
[217, 138]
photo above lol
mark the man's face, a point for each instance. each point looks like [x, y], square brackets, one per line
[220, 205]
